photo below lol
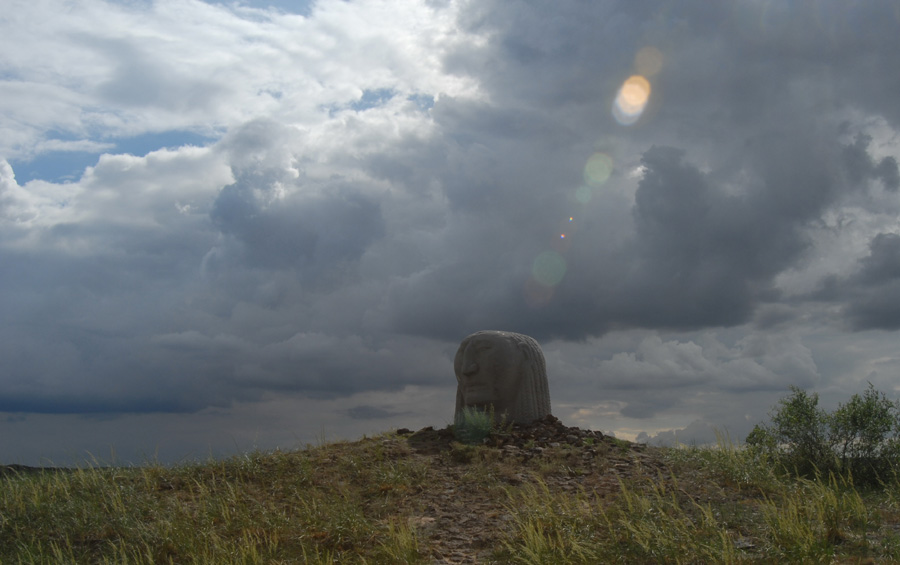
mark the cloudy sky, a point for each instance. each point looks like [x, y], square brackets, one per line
[259, 224]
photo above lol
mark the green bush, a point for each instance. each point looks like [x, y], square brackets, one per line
[859, 440]
[798, 437]
[865, 434]
[472, 426]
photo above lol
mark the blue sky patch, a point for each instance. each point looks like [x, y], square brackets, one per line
[423, 101]
[68, 166]
[142, 144]
[300, 7]
[372, 99]
[54, 166]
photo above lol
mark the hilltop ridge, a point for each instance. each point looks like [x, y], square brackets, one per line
[538, 493]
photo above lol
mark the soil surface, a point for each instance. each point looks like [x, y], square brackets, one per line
[465, 524]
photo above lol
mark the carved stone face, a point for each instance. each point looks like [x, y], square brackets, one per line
[490, 373]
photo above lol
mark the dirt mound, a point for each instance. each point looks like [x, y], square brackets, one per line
[463, 515]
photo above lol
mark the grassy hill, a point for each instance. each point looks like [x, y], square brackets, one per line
[544, 493]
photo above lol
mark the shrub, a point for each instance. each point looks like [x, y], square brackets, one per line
[472, 425]
[866, 435]
[798, 436]
[860, 440]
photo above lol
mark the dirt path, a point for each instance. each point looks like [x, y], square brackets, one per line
[465, 524]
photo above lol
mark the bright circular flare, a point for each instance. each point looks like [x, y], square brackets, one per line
[631, 100]
[634, 94]
[549, 268]
[598, 168]
[648, 61]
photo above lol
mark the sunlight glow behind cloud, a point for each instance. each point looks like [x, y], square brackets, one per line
[631, 100]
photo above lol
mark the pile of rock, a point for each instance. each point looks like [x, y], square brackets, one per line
[543, 433]
[529, 439]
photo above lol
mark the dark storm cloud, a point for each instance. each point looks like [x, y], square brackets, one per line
[74, 370]
[366, 412]
[709, 245]
[340, 256]
[758, 109]
[314, 363]
[877, 310]
[296, 231]
[703, 257]
[872, 294]
[861, 167]
[883, 263]
[275, 218]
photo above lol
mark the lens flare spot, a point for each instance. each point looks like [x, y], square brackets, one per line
[598, 168]
[583, 194]
[549, 268]
[648, 61]
[562, 236]
[571, 218]
[631, 100]
[634, 93]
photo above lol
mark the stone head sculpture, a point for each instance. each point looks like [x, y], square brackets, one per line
[503, 370]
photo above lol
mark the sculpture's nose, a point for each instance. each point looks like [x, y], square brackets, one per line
[470, 369]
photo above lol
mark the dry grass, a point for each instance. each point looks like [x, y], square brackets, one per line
[377, 500]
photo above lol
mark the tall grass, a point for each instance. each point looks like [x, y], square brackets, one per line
[260, 508]
[641, 526]
[352, 503]
[719, 505]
